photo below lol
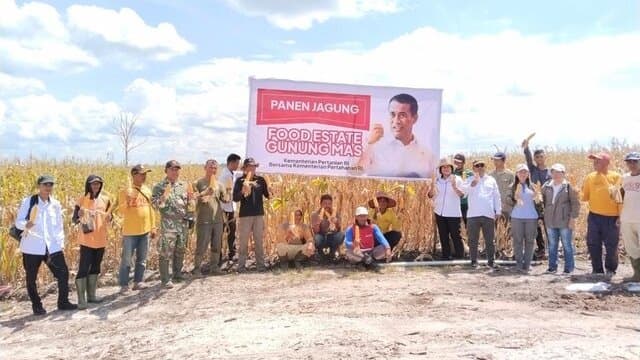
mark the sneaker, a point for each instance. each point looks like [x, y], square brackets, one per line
[124, 289]
[139, 286]
[491, 264]
[168, 285]
[67, 306]
[474, 264]
[551, 271]
[38, 310]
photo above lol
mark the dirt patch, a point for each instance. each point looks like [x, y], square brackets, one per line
[444, 313]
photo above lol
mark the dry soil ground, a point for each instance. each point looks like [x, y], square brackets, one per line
[442, 313]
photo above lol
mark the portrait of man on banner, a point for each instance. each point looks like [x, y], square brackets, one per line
[399, 153]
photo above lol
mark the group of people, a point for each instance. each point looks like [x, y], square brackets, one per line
[531, 199]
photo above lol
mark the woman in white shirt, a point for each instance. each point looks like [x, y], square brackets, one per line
[446, 192]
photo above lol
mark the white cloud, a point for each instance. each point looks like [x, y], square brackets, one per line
[302, 15]
[36, 35]
[127, 30]
[13, 85]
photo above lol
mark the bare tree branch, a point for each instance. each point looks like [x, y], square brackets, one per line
[125, 127]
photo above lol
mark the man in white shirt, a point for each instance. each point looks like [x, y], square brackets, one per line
[402, 155]
[485, 207]
[630, 216]
[228, 178]
[43, 241]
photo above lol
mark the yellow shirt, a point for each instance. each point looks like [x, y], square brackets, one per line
[595, 190]
[135, 209]
[95, 210]
[387, 221]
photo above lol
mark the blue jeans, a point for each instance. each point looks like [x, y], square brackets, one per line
[139, 244]
[566, 235]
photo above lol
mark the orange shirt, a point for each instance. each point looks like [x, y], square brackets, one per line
[95, 210]
[595, 190]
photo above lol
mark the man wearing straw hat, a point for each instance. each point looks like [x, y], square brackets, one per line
[250, 190]
[383, 215]
[365, 242]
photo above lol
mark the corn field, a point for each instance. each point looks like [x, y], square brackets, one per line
[288, 192]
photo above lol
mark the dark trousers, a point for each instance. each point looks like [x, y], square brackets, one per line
[603, 230]
[449, 230]
[487, 225]
[464, 208]
[393, 238]
[540, 240]
[90, 260]
[332, 241]
[58, 267]
[230, 223]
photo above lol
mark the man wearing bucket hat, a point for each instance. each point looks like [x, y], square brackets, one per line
[601, 190]
[561, 209]
[630, 216]
[250, 190]
[386, 219]
[43, 242]
[485, 206]
[365, 241]
[447, 193]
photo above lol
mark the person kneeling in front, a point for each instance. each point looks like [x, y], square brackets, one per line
[365, 242]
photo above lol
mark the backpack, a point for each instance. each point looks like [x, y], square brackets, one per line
[16, 233]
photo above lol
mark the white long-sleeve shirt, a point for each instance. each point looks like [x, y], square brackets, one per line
[47, 232]
[484, 198]
[447, 201]
[394, 159]
[228, 175]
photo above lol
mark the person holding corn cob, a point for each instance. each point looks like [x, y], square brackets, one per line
[505, 178]
[524, 197]
[630, 216]
[295, 241]
[92, 213]
[210, 194]
[228, 178]
[326, 225]
[43, 242]
[459, 161]
[171, 197]
[601, 189]
[251, 190]
[365, 242]
[383, 215]
[138, 226]
[540, 174]
[446, 190]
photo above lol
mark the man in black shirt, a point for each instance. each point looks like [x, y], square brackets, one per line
[250, 190]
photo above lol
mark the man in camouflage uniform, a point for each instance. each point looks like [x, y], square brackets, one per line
[210, 217]
[171, 197]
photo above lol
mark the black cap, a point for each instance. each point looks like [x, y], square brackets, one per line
[172, 164]
[46, 179]
[139, 169]
[250, 161]
[499, 156]
[459, 158]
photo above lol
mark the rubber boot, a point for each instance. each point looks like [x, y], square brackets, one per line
[81, 289]
[635, 264]
[92, 285]
[178, 260]
[164, 274]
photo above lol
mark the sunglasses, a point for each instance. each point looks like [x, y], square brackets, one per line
[478, 165]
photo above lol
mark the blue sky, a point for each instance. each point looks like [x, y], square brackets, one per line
[507, 68]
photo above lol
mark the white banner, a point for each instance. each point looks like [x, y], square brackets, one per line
[343, 130]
